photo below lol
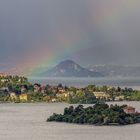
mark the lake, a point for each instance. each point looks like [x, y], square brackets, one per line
[133, 82]
[28, 122]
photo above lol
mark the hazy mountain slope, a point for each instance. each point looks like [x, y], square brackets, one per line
[69, 68]
[119, 71]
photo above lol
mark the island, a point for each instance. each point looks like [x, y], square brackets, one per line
[98, 114]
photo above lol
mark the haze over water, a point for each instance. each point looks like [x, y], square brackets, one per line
[132, 82]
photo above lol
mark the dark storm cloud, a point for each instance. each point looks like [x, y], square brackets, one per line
[26, 23]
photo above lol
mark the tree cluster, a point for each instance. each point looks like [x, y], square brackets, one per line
[99, 114]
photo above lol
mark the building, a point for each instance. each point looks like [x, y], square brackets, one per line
[101, 95]
[119, 98]
[3, 75]
[37, 88]
[4, 89]
[43, 90]
[129, 110]
[13, 96]
[23, 88]
[53, 100]
[4, 80]
[23, 97]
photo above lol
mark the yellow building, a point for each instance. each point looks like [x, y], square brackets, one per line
[101, 95]
[46, 99]
[62, 97]
[119, 98]
[23, 97]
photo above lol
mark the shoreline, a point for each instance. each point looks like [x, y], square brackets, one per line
[108, 102]
[129, 82]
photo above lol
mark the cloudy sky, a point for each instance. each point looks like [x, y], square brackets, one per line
[41, 33]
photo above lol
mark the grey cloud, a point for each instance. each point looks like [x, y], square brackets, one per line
[24, 23]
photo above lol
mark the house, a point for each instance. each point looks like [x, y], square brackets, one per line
[23, 88]
[3, 75]
[101, 95]
[47, 98]
[53, 89]
[13, 96]
[4, 80]
[43, 90]
[53, 100]
[23, 97]
[129, 110]
[61, 91]
[60, 88]
[119, 98]
[4, 89]
[37, 88]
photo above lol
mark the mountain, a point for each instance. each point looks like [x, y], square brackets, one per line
[69, 68]
[117, 70]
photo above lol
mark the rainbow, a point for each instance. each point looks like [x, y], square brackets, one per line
[77, 40]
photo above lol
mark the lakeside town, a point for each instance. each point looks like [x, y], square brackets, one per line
[18, 89]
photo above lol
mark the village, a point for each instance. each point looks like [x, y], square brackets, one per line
[17, 89]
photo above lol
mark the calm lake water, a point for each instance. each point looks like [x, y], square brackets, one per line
[133, 82]
[28, 122]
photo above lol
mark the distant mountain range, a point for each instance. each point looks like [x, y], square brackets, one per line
[69, 68]
[117, 71]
